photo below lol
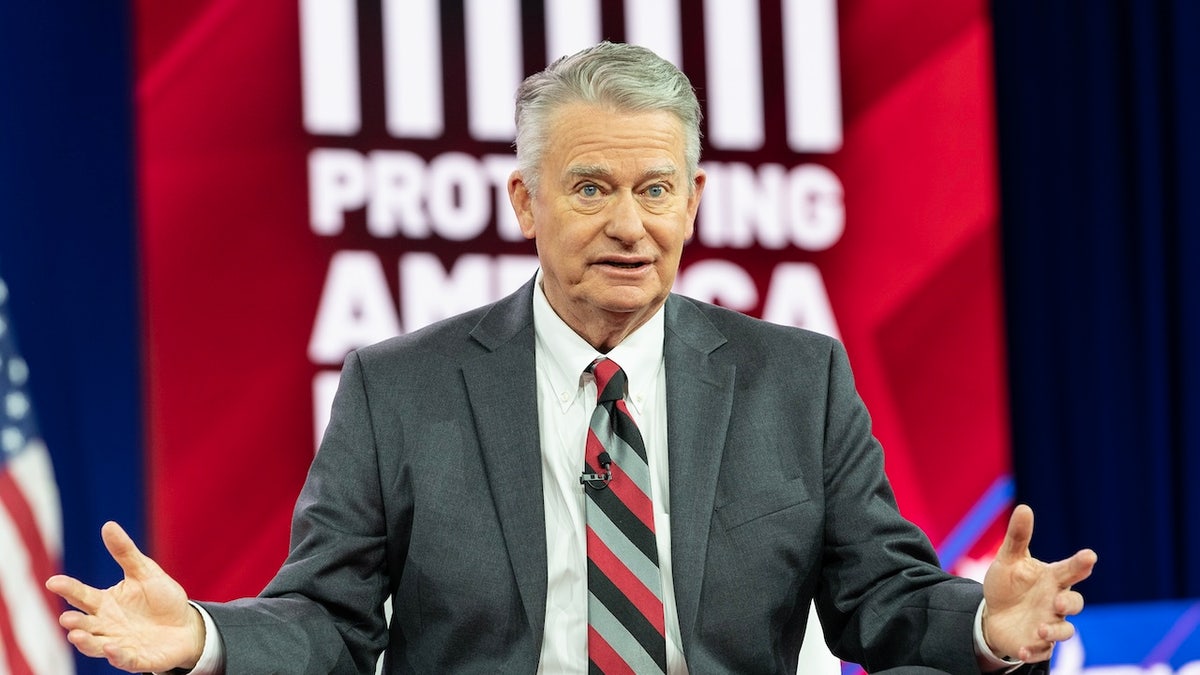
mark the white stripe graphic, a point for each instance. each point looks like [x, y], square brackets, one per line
[812, 81]
[655, 25]
[329, 66]
[571, 25]
[412, 53]
[494, 67]
[733, 55]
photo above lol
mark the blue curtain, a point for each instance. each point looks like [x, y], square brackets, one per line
[1099, 133]
[67, 251]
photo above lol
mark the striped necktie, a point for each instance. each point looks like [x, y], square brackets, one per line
[625, 608]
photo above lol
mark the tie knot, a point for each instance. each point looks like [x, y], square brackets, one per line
[610, 379]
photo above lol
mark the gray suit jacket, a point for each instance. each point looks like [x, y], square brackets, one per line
[427, 489]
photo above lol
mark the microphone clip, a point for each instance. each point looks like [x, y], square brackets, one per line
[598, 481]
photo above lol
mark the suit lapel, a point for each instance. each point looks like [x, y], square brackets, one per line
[699, 401]
[502, 387]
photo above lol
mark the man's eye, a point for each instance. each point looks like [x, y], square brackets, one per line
[656, 191]
[589, 190]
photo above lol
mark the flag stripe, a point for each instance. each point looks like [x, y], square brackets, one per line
[11, 656]
[32, 624]
[31, 641]
[33, 474]
[21, 516]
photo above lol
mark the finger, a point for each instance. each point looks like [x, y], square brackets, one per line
[95, 625]
[78, 594]
[1076, 568]
[1016, 539]
[1036, 654]
[103, 647]
[77, 621]
[1058, 631]
[121, 547]
[1068, 603]
[86, 643]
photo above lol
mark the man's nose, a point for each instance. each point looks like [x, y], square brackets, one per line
[625, 218]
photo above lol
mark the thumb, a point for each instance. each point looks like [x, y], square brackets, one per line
[1018, 536]
[121, 547]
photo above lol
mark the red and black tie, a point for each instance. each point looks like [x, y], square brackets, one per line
[626, 632]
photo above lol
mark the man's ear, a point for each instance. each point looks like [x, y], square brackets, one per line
[522, 203]
[693, 204]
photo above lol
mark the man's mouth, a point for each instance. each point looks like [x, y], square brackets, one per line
[623, 265]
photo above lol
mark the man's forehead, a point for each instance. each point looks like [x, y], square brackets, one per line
[604, 170]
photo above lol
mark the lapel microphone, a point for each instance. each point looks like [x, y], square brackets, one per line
[598, 481]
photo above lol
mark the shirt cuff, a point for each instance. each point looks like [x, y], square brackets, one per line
[212, 658]
[988, 660]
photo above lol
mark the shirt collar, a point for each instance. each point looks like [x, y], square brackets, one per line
[567, 354]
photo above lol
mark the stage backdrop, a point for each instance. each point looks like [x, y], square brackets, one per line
[318, 175]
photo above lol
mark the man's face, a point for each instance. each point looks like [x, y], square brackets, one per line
[613, 209]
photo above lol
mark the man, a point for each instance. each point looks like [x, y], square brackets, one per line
[449, 479]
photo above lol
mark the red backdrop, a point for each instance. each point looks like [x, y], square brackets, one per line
[261, 257]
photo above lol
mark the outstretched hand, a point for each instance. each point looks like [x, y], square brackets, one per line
[1026, 600]
[144, 623]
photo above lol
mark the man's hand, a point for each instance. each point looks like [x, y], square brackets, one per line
[144, 623]
[1026, 600]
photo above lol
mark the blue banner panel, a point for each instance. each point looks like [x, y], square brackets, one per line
[1127, 639]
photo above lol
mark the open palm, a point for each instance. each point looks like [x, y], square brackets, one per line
[143, 623]
[1027, 600]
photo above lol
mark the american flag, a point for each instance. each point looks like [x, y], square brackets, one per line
[31, 641]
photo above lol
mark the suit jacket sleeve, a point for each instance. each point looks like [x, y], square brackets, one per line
[883, 599]
[322, 613]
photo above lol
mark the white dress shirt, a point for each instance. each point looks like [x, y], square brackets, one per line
[566, 399]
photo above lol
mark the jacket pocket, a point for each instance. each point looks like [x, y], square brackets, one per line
[762, 503]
